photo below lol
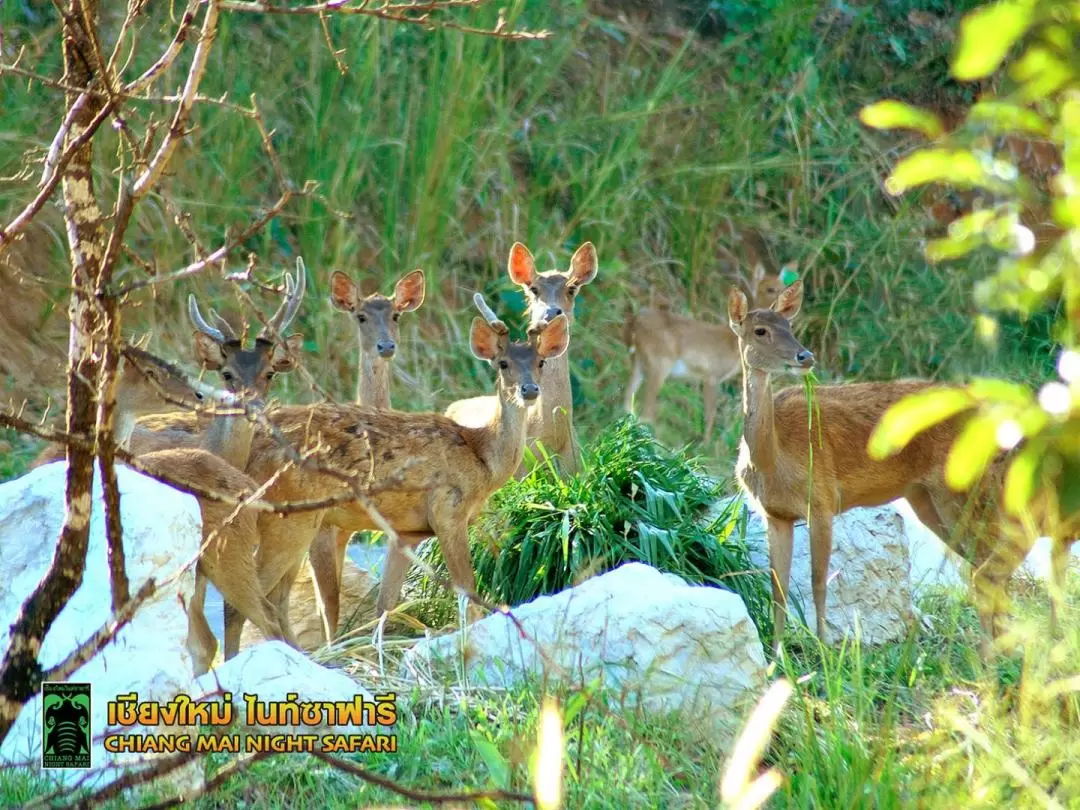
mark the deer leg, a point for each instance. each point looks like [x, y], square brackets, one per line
[781, 541]
[922, 504]
[655, 375]
[708, 396]
[395, 567]
[1059, 566]
[326, 558]
[820, 552]
[451, 528]
[200, 643]
[637, 375]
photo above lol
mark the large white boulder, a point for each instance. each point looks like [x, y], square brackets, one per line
[162, 532]
[665, 645]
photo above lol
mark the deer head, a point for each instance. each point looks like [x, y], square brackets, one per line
[519, 365]
[764, 287]
[376, 315]
[248, 371]
[766, 342]
[551, 294]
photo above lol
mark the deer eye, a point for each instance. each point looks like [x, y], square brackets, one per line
[361, 318]
[761, 331]
[541, 363]
[504, 365]
[227, 376]
[534, 291]
[571, 291]
[270, 375]
[397, 315]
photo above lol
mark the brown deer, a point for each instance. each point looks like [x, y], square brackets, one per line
[662, 344]
[430, 475]
[229, 545]
[376, 318]
[548, 295]
[246, 372]
[774, 461]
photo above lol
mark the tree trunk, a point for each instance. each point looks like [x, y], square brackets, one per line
[20, 672]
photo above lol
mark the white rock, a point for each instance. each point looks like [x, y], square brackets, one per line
[272, 671]
[667, 645]
[162, 533]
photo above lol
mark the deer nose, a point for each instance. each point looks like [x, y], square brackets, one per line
[386, 348]
[805, 358]
[552, 313]
[530, 391]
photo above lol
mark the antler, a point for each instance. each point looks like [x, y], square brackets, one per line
[489, 315]
[222, 333]
[294, 294]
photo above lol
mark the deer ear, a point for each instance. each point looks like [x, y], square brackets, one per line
[208, 351]
[484, 340]
[789, 302]
[521, 267]
[343, 293]
[583, 265]
[282, 361]
[409, 292]
[736, 307]
[554, 339]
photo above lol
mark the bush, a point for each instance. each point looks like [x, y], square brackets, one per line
[633, 501]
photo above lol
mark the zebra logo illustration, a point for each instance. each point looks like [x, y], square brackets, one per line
[65, 725]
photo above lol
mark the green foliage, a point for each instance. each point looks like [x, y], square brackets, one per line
[632, 501]
[1041, 98]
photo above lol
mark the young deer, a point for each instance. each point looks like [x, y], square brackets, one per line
[246, 372]
[227, 560]
[430, 476]
[662, 344]
[774, 453]
[548, 295]
[376, 318]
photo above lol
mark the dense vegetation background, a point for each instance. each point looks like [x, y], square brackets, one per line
[438, 150]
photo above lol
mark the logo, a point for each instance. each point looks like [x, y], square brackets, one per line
[65, 725]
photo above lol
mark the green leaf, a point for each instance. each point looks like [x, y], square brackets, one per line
[972, 451]
[1069, 493]
[1001, 116]
[912, 415]
[493, 759]
[1020, 479]
[991, 389]
[957, 167]
[986, 35]
[892, 114]
[949, 247]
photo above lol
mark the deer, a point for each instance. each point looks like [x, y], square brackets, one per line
[376, 317]
[547, 295]
[226, 558]
[245, 372]
[429, 475]
[662, 344]
[774, 462]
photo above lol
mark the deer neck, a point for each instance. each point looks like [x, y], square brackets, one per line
[373, 384]
[506, 442]
[759, 428]
[555, 391]
[123, 427]
[229, 437]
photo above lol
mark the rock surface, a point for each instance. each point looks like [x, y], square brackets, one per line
[666, 645]
[162, 532]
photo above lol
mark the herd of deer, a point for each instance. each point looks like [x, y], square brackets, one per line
[429, 474]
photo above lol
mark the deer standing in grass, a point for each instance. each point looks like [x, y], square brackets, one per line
[774, 463]
[547, 295]
[376, 317]
[429, 475]
[226, 558]
[662, 344]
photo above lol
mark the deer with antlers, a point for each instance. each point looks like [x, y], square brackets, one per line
[146, 384]
[662, 344]
[376, 317]
[547, 295]
[774, 462]
[427, 475]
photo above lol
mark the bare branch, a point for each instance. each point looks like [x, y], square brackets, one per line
[152, 73]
